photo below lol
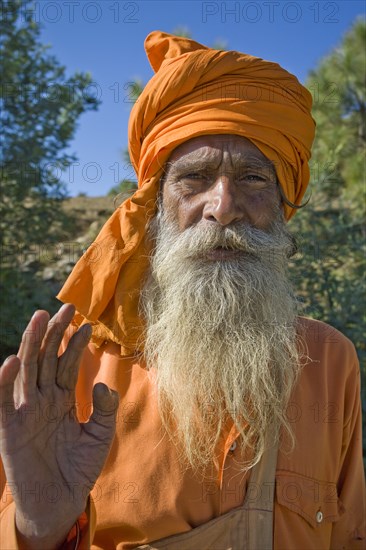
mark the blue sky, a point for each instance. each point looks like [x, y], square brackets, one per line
[106, 38]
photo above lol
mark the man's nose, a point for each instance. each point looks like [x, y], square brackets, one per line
[222, 203]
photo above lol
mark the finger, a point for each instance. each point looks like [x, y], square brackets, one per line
[69, 362]
[48, 358]
[103, 420]
[29, 350]
[8, 373]
[105, 400]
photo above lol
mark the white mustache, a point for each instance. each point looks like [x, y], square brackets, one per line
[204, 238]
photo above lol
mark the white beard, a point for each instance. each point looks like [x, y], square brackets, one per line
[220, 335]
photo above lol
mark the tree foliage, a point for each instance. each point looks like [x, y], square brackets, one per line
[40, 108]
[331, 228]
[329, 270]
[338, 88]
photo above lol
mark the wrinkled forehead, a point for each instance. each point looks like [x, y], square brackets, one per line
[210, 150]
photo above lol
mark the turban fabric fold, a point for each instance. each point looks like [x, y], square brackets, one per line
[195, 91]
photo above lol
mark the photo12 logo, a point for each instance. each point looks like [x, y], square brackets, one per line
[270, 12]
[73, 11]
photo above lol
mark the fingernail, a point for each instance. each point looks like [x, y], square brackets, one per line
[66, 306]
[11, 357]
[86, 330]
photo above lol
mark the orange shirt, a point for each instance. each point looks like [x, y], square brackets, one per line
[143, 495]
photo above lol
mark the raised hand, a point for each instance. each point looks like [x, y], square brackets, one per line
[51, 461]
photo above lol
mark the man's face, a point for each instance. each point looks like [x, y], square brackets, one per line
[220, 313]
[220, 179]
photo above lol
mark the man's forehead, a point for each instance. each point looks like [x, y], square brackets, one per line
[211, 149]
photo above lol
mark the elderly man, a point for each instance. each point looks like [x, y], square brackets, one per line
[238, 422]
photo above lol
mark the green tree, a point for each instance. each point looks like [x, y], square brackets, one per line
[329, 268]
[331, 224]
[338, 88]
[40, 108]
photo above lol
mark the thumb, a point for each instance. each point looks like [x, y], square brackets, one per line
[105, 404]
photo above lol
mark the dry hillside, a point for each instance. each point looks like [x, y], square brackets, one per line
[85, 216]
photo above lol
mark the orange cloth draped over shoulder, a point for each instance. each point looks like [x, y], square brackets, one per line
[195, 91]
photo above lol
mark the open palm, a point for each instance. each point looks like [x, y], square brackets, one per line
[51, 460]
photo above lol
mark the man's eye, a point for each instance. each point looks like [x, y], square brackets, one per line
[254, 177]
[193, 176]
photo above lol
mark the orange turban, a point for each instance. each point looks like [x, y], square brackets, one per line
[196, 90]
